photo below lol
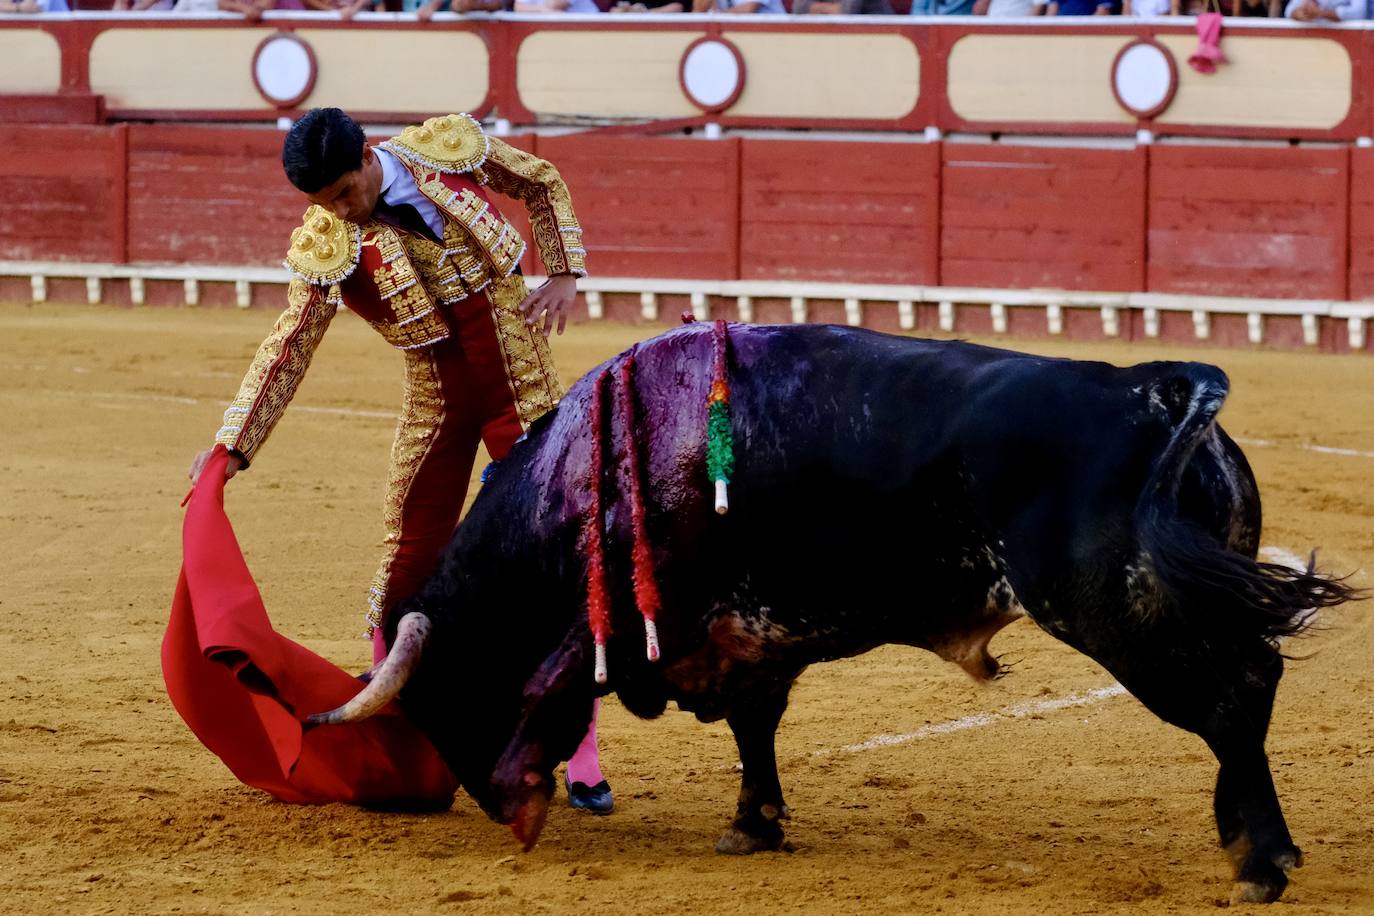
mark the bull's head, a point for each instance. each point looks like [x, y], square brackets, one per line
[489, 731]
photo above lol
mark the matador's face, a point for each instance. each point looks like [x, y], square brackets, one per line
[353, 197]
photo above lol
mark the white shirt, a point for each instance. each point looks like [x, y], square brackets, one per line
[398, 187]
[1015, 8]
[765, 6]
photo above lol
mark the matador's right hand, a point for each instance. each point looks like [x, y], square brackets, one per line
[198, 465]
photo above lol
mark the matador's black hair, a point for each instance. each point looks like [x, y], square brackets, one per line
[320, 148]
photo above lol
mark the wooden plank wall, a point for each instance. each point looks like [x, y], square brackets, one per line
[1017, 217]
[1292, 222]
[63, 189]
[1234, 221]
[840, 212]
[653, 207]
[209, 195]
[1361, 224]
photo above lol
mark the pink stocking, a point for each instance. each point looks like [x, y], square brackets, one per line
[585, 767]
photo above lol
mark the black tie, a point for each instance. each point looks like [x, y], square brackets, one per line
[403, 216]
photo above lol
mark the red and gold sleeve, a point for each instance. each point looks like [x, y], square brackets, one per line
[538, 185]
[278, 368]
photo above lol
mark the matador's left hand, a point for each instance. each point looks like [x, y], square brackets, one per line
[550, 302]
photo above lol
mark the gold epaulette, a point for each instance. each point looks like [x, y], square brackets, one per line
[452, 143]
[324, 249]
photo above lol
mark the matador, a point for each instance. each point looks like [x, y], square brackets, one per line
[405, 234]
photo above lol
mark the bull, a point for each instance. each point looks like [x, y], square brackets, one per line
[885, 490]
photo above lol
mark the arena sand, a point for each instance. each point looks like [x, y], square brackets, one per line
[108, 804]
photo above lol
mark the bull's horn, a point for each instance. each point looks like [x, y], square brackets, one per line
[405, 652]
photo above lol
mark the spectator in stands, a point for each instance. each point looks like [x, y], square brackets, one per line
[34, 6]
[743, 7]
[346, 9]
[1079, 8]
[942, 7]
[556, 6]
[1149, 8]
[1327, 10]
[251, 9]
[1270, 9]
[424, 10]
[647, 6]
[139, 6]
[1007, 9]
[841, 8]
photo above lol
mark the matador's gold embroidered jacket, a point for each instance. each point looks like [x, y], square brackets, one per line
[401, 283]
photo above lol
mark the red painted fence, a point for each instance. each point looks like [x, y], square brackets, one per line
[1223, 221]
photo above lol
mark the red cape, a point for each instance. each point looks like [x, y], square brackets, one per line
[244, 689]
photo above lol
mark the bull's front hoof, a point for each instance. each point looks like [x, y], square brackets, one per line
[1255, 892]
[763, 837]
[1261, 876]
[1262, 881]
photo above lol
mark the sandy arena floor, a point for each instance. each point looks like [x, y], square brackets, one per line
[108, 804]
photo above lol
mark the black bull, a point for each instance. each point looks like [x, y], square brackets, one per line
[887, 490]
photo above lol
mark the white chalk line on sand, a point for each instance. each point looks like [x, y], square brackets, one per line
[391, 415]
[981, 719]
[1273, 554]
[178, 399]
[1319, 449]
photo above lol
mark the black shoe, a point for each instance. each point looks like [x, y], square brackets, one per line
[596, 799]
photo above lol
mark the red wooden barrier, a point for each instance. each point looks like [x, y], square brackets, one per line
[653, 207]
[840, 212]
[1230, 221]
[209, 195]
[63, 189]
[1361, 224]
[1032, 216]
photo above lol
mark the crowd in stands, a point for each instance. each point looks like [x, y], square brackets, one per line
[1317, 11]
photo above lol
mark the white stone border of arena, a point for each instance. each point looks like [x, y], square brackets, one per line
[1109, 304]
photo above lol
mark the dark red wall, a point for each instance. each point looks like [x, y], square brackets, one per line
[1029, 216]
[1238, 221]
[653, 207]
[209, 195]
[63, 193]
[1285, 222]
[840, 212]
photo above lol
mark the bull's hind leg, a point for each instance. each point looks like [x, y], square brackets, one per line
[1226, 699]
[756, 827]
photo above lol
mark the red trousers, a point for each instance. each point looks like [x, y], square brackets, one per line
[485, 383]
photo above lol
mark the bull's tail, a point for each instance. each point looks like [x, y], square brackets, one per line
[1193, 574]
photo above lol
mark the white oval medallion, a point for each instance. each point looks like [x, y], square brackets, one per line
[1144, 78]
[712, 74]
[284, 70]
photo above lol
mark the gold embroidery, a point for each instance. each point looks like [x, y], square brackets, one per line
[497, 240]
[415, 320]
[421, 414]
[324, 249]
[439, 267]
[278, 367]
[538, 185]
[529, 365]
[452, 143]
